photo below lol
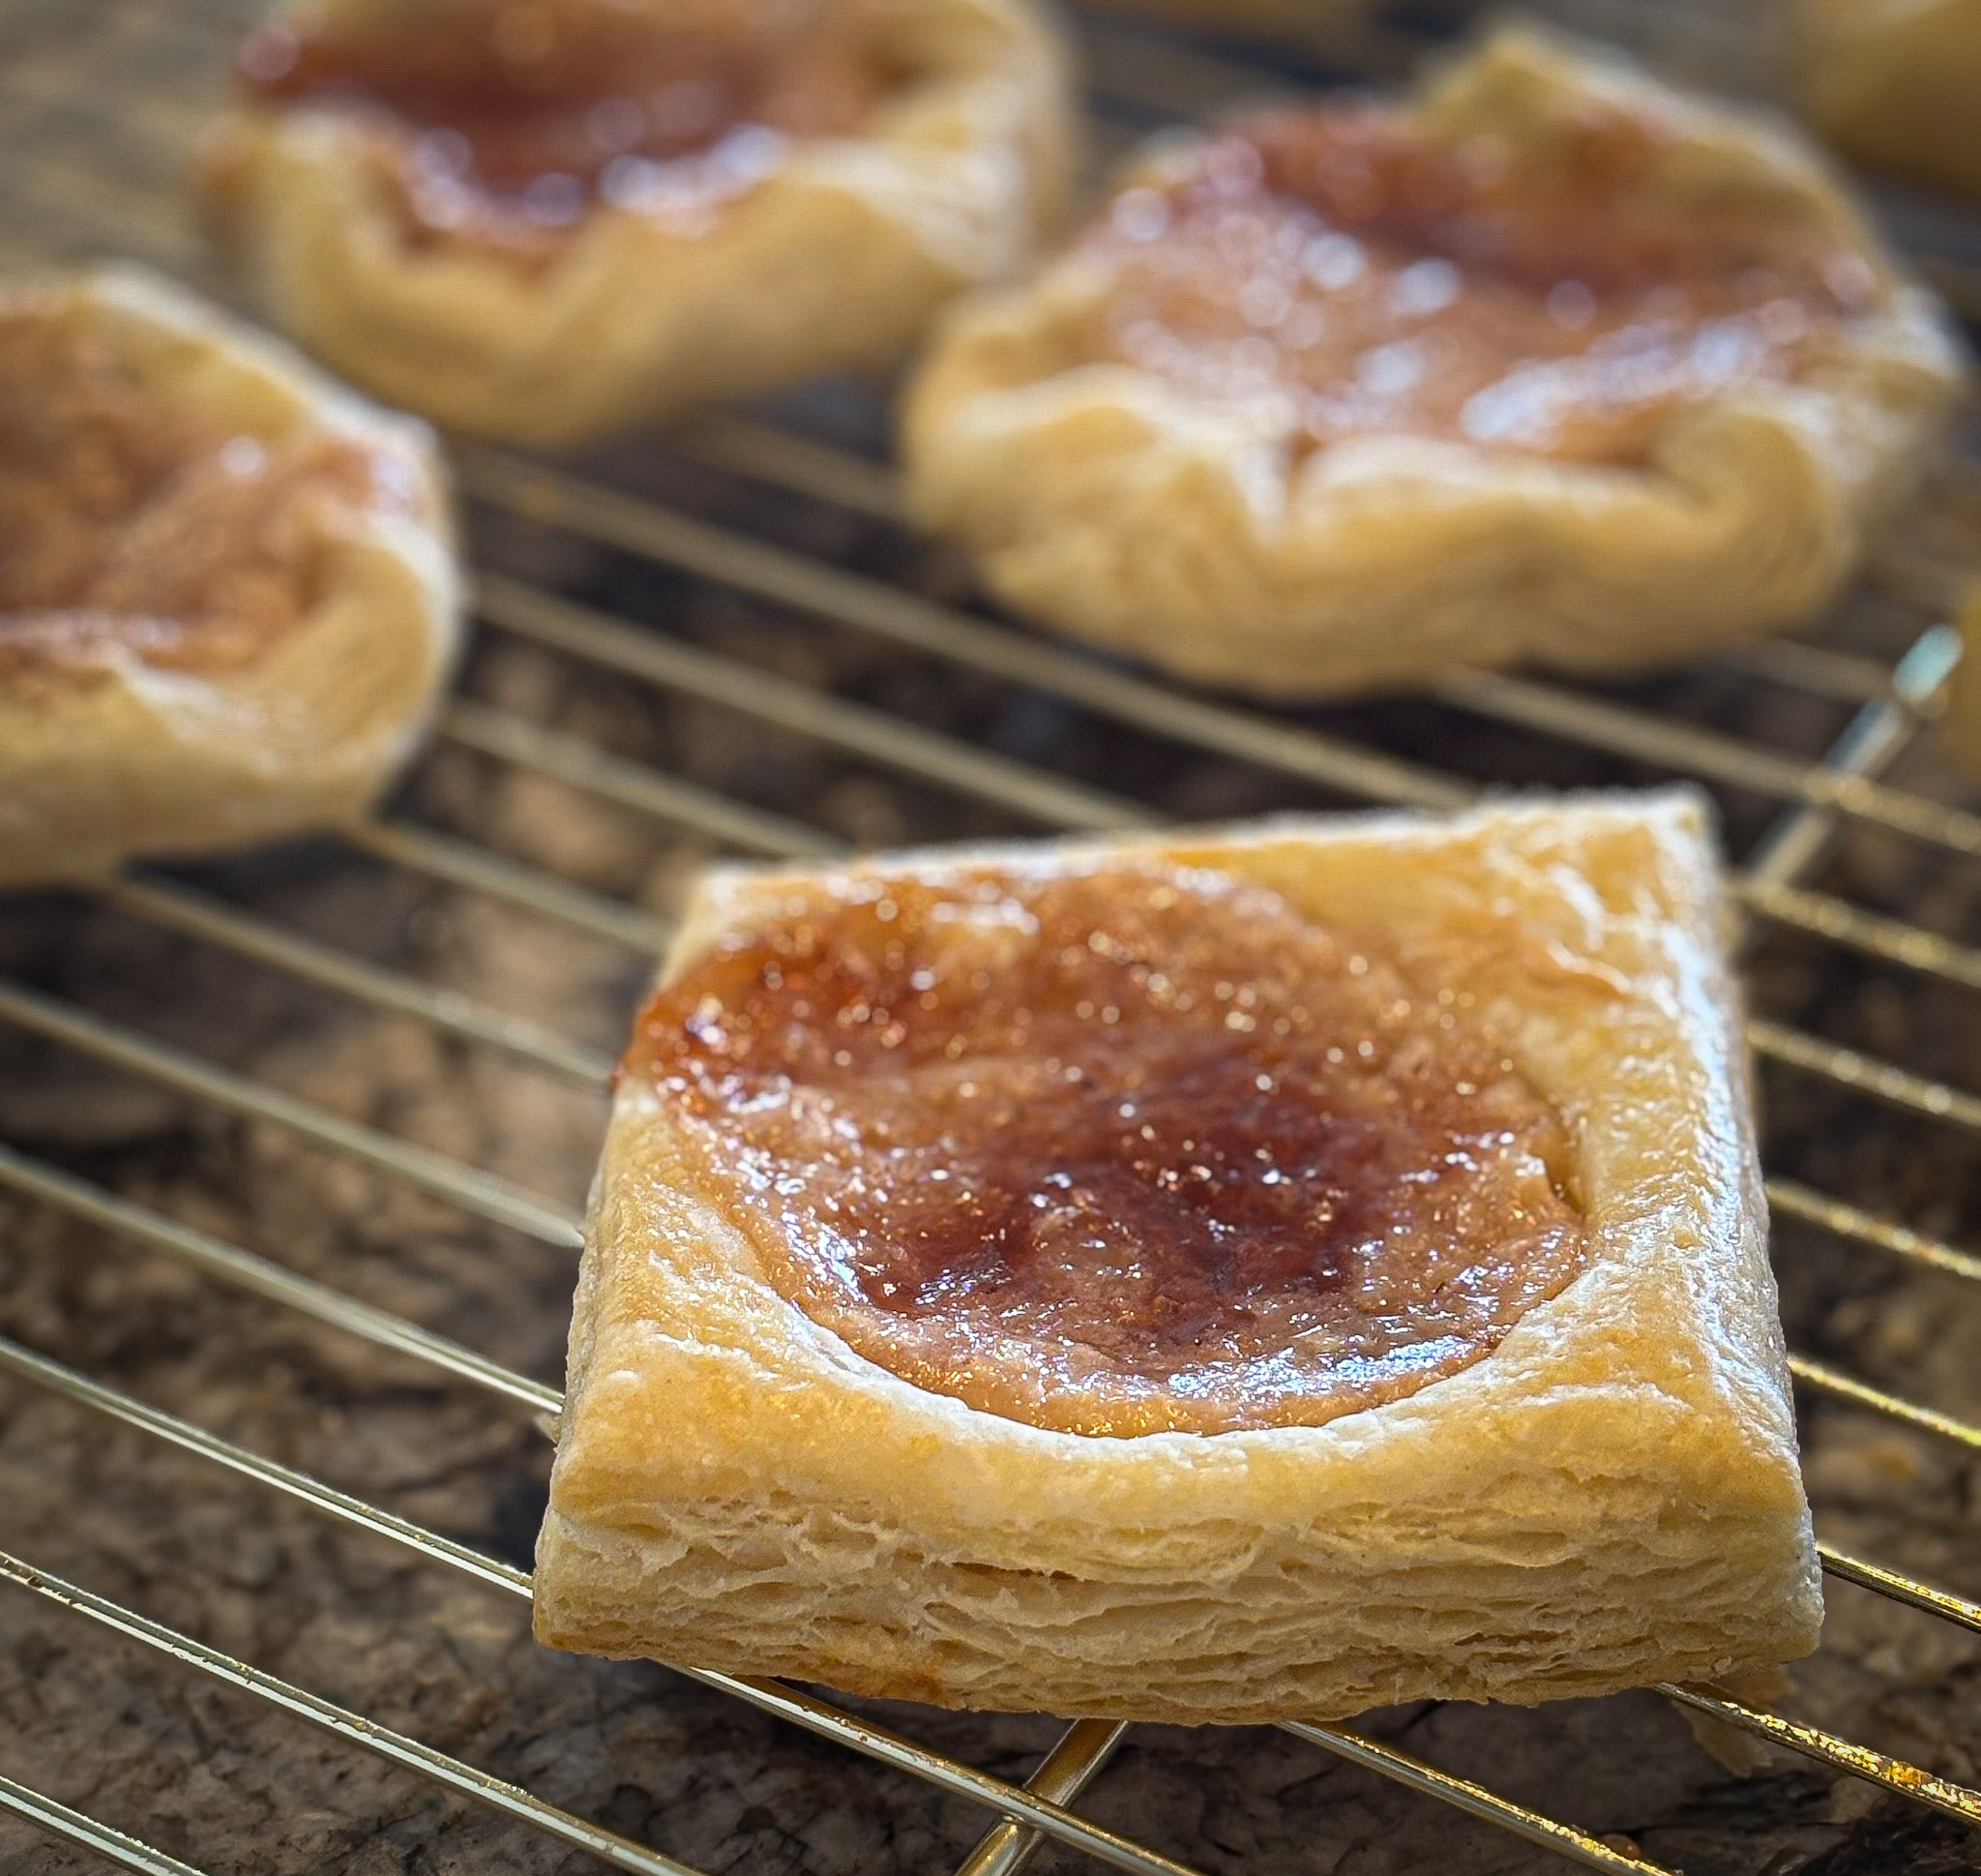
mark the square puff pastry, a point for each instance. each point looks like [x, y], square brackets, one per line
[836, 260]
[1610, 1497]
[104, 754]
[1894, 83]
[1105, 499]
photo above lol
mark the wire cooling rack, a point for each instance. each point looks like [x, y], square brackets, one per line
[1816, 747]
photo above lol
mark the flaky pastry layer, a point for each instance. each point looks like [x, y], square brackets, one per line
[1610, 1497]
[1199, 534]
[107, 757]
[835, 260]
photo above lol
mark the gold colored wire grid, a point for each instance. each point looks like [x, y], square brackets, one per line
[93, 144]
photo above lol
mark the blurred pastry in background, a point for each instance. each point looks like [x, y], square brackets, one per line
[1550, 361]
[543, 220]
[228, 597]
[1895, 84]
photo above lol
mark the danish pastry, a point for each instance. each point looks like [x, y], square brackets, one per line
[1551, 363]
[227, 599]
[542, 220]
[1219, 1276]
[1893, 83]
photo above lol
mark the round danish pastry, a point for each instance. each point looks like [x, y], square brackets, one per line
[1550, 362]
[543, 220]
[227, 599]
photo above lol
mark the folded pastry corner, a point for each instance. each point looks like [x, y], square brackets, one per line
[227, 591]
[1218, 1276]
[1549, 361]
[544, 223]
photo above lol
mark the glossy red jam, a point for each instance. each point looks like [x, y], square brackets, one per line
[1121, 1152]
[507, 124]
[1385, 280]
[128, 526]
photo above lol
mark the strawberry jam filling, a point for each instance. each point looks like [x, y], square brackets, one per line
[1381, 280]
[510, 123]
[1116, 1151]
[130, 527]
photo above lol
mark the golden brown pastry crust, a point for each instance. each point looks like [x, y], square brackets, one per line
[835, 260]
[1895, 84]
[108, 755]
[1103, 499]
[1611, 1498]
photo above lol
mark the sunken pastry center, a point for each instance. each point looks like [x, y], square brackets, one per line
[506, 123]
[129, 528]
[1128, 1151]
[1390, 282]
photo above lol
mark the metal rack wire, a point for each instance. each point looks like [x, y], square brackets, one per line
[66, 199]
